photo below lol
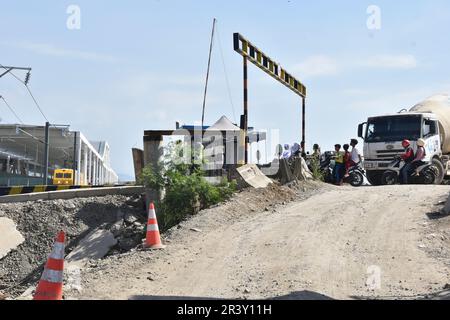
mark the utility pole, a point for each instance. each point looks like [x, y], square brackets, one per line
[207, 72]
[46, 149]
[8, 69]
[75, 151]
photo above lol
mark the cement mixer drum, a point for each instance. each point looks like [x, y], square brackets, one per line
[440, 106]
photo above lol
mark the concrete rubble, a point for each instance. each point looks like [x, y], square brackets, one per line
[251, 174]
[94, 246]
[39, 221]
[10, 238]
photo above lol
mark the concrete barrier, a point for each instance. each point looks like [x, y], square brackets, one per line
[251, 174]
[5, 191]
[70, 194]
[286, 172]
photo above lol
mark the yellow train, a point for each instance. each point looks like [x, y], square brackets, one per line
[63, 177]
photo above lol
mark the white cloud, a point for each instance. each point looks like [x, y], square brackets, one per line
[391, 102]
[402, 61]
[316, 66]
[323, 65]
[52, 50]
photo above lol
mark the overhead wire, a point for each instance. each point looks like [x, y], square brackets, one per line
[226, 75]
[29, 91]
[11, 109]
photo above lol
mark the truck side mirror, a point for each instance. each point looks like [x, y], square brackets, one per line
[360, 130]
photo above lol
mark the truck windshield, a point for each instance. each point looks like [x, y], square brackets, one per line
[393, 128]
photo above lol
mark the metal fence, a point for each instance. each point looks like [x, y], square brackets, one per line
[16, 180]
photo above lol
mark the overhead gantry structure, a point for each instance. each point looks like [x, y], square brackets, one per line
[251, 53]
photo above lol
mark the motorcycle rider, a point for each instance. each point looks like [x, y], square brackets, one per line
[420, 155]
[347, 160]
[356, 157]
[408, 158]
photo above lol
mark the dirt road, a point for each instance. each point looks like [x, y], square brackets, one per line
[343, 243]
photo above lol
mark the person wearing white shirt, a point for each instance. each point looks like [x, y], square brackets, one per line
[356, 157]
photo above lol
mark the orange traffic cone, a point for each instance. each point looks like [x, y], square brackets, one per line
[153, 239]
[50, 286]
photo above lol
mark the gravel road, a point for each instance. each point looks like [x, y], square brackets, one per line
[340, 243]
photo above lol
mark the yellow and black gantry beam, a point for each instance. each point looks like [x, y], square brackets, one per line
[251, 53]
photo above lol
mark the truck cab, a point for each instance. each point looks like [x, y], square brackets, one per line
[383, 136]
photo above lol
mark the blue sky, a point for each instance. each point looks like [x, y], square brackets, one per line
[141, 64]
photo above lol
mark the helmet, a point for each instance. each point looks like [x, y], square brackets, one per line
[406, 143]
[421, 143]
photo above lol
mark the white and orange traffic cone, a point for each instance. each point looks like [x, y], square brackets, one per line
[153, 238]
[50, 286]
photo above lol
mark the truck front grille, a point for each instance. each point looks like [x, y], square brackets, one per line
[395, 151]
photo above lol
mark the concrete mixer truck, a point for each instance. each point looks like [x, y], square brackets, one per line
[383, 136]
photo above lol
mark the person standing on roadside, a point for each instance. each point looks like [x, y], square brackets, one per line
[287, 152]
[339, 165]
[356, 157]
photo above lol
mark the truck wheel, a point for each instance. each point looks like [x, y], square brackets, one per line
[440, 169]
[374, 178]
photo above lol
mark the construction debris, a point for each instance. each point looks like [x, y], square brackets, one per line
[94, 246]
[10, 238]
[286, 173]
[301, 170]
[40, 221]
[251, 174]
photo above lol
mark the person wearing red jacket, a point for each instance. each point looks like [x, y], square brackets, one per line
[347, 160]
[408, 157]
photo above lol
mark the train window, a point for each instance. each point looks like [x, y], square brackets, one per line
[59, 175]
[67, 175]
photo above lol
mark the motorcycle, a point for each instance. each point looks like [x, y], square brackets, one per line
[356, 176]
[356, 173]
[326, 167]
[424, 174]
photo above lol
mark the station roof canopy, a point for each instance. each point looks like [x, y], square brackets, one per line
[26, 142]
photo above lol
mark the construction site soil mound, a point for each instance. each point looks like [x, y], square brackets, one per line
[40, 221]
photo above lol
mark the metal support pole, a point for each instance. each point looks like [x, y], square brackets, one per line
[74, 165]
[85, 165]
[304, 122]
[207, 72]
[245, 124]
[46, 149]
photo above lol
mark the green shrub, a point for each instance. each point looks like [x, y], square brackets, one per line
[186, 191]
[315, 169]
